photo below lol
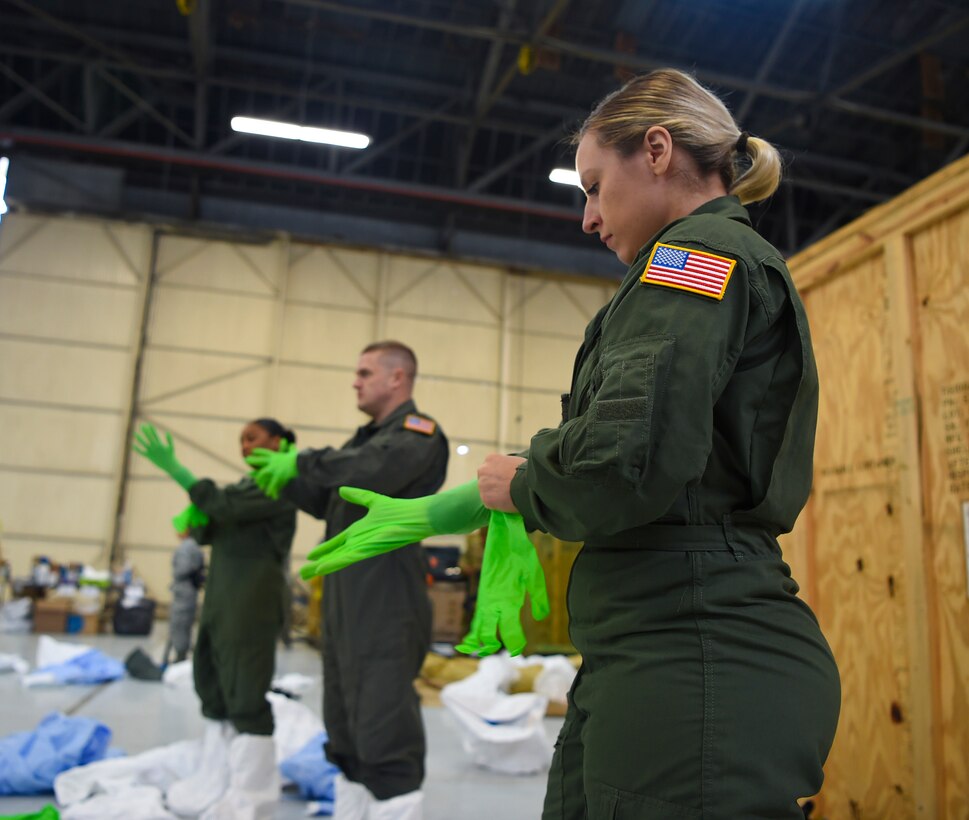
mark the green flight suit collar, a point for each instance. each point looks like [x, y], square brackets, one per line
[728, 207]
[396, 415]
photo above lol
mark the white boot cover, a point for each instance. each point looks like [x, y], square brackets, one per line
[254, 781]
[350, 800]
[408, 806]
[196, 793]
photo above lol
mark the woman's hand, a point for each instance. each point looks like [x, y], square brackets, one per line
[494, 482]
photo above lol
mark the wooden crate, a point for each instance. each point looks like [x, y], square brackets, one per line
[551, 635]
[880, 551]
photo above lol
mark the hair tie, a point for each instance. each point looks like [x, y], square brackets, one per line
[741, 146]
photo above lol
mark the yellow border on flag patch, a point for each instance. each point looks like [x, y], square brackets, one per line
[419, 424]
[646, 280]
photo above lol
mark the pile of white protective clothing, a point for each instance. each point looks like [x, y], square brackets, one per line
[501, 732]
[147, 786]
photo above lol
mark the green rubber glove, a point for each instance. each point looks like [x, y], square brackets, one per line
[391, 523]
[162, 455]
[274, 468]
[509, 569]
[189, 518]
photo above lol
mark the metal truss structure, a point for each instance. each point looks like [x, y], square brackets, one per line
[122, 108]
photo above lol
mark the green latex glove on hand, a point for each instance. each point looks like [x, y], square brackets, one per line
[162, 455]
[274, 468]
[189, 518]
[510, 568]
[391, 523]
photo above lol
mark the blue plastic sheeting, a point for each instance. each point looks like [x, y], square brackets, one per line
[91, 667]
[312, 772]
[29, 761]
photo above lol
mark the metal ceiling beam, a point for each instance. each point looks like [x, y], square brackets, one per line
[833, 96]
[123, 120]
[487, 77]
[41, 97]
[269, 88]
[233, 166]
[503, 168]
[898, 118]
[851, 167]
[841, 190]
[143, 104]
[771, 58]
[486, 103]
[74, 31]
[374, 151]
[22, 99]
[199, 37]
[523, 38]
[520, 38]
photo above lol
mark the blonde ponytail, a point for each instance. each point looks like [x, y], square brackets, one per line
[699, 123]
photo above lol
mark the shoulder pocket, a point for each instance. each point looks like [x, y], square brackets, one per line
[615, 434]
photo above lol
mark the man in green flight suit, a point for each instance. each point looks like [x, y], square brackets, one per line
[376, 614]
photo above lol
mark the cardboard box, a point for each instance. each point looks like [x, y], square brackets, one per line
[447, 601]
[78, 624]
[50, 614]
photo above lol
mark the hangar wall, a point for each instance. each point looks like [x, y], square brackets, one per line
[106, 324]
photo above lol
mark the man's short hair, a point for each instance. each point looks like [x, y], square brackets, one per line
[399, 354]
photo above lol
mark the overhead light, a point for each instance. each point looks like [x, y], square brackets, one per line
[565, 177]
[304, 133]
[463, 449]
[4, 165]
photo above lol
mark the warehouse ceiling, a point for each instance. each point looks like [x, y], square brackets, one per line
[123, 108]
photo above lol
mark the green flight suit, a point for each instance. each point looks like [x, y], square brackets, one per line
[235, 652]
[707, 689]
[376, 613]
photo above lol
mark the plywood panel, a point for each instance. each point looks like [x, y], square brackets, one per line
[861, 605]
[940, 256]
[859, 578]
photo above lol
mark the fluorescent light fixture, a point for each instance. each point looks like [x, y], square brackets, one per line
[4, 165]
[463, 449]
[565, 177]
[289, 131]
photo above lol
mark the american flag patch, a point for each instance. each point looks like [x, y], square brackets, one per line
[687, 269]
[419, 424]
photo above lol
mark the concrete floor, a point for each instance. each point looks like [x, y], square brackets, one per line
[145, 715]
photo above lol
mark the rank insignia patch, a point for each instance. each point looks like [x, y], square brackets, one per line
[419, 424]
[688, 269]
